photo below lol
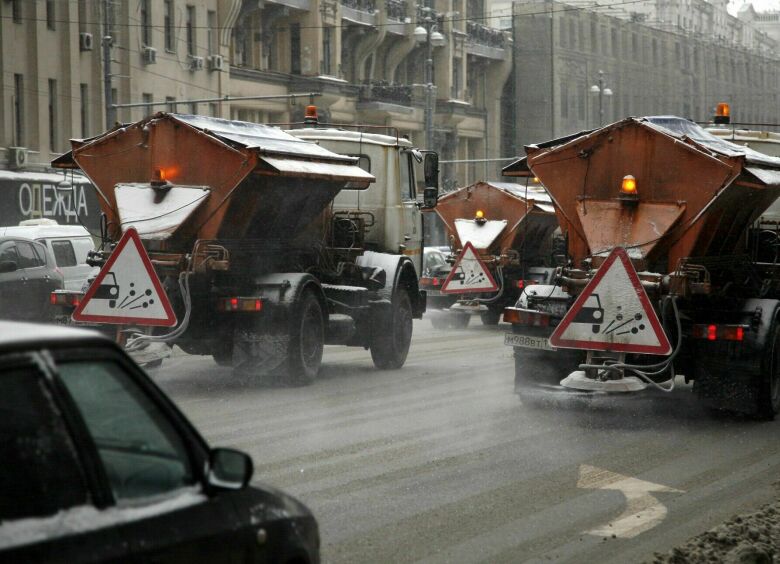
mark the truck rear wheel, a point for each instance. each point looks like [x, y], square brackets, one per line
[768, 392]
[307, 341]
[460, 320]
[392, 333]
[490, 317]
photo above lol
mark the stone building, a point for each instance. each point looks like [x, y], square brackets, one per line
[361, 56]
[559, 52]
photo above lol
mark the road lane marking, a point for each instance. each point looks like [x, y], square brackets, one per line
[643, 511]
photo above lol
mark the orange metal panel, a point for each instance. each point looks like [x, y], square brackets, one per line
[187, 157]
[667, 170]
[496, 204]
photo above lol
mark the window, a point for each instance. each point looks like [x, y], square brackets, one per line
[326, 48]
[148, 99]
[171, 101]
[564, 100]
[84, 91]
[50, 16]
[194, 108]
[146, 22]
[191, 31]
[141, 451]
[41, 473]
[168, 25]
[53, 132]
[212, 32]
[64, 254]
[593, 37]
[27, 256]
[364, 162]
[8, 253]
[16, 11]
[82, 11]
[213, 109]
[295, 48]
[19, 109]
[408, 191]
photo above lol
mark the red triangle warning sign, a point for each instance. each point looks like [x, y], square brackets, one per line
[613, 313]
[469, 274]
[127, 290]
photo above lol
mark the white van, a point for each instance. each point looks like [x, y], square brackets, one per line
[68, 243]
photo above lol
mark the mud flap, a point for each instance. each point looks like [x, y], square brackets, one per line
[258, 354]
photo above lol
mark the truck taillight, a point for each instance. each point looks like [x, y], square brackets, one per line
[65, 298]
[240, 304]
[528, 317]
[425, 281]
[711, 332]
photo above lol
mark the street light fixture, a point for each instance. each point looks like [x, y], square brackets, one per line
[426, 32]
[602, 91]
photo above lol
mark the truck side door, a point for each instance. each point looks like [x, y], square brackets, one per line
[412, 228]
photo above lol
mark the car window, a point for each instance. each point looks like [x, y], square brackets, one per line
[141, 451]
[64, 254]
[27, 256]
[8, 252]
[40, 253]
[40, 471]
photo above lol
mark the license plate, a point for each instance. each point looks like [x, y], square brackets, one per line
[527, 342]
[62, 319]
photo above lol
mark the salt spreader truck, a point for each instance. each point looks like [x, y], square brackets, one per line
[236, 218]
[511, 228]
[685, 206]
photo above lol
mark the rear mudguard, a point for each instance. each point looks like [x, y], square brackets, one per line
[400, 273]
[726, 372]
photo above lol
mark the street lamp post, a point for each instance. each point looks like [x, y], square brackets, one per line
[601, 89]
[428, 33]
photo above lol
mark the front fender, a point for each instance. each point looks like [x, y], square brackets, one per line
[400, 273]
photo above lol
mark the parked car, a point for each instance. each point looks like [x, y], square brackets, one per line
[28, 276]
[99, 465]
[69, 244]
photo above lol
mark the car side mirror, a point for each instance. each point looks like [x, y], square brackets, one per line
[229, 469]
[8, 266]
[431, 172]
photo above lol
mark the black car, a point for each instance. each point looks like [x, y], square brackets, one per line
[99, 465]
[28, 276]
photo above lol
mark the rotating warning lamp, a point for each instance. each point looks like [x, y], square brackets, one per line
[479, 217]
[628, 189]
[722, 113]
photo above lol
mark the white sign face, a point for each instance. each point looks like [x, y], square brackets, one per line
[469, 275]
[127, 289]
[613, 313]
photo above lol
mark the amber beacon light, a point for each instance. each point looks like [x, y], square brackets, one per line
[723, 113]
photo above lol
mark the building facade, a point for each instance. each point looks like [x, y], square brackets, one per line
[559, 52]
[361, 58]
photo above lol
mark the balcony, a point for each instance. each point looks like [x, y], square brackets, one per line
[484, 41]
[383, 91]
[396, 10]
[359, 11]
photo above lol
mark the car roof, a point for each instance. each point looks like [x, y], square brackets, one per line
[45, 231]
[17, 336]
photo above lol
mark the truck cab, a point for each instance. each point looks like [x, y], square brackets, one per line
[389, 207]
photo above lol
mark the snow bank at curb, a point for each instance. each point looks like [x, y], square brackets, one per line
[751, 538]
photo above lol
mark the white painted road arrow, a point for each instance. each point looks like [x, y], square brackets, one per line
[643, 511]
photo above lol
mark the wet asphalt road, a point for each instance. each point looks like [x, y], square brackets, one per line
[441, 462]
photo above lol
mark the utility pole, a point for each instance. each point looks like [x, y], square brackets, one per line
[107, 40]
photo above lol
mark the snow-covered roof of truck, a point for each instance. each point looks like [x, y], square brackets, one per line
[337, 134]
[681, 128]
[285, 153]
